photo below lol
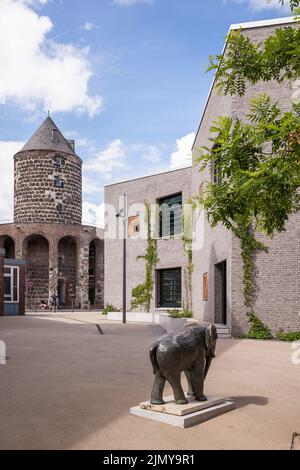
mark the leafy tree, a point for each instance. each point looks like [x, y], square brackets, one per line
[257, 161]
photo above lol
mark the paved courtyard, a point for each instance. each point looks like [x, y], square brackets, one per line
[65, 386]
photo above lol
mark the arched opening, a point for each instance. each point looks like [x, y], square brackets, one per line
[8, 244]
[36, 251]
[96, 273]
[67, 266]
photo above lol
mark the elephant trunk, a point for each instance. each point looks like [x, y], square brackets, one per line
[209, 358]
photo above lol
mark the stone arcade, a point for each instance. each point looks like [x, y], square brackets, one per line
[63, 256]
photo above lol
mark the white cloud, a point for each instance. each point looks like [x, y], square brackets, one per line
[7, 151]
[183, 155]
[93, 214]
[89, 26]
[35, 3]
[112, 158]
[152, 154]
[38, 72]
[128, 3]
[91, 187]
[258, 5]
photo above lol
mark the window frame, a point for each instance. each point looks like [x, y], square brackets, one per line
[159, 287]
[162, 201]
[9, 298]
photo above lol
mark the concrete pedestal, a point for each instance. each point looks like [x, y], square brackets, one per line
[184, 416]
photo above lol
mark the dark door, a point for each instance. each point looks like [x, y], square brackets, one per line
[169, 288]
[61, 292]
[221, 293]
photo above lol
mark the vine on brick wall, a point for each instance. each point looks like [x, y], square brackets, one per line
[249, 247]
[142, 294]
[188, 270]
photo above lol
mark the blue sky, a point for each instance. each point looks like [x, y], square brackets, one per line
[125, 78]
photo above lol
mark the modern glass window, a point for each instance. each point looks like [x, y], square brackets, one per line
[170, 215]
[169, 288]
[11, 284]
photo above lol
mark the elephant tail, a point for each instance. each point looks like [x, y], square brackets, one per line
[153, 358]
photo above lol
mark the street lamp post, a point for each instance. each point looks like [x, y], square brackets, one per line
[123, 214]
[125, 232]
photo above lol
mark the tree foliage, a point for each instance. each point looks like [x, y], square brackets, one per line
[259, 167]
[257, 161]
[258, 164]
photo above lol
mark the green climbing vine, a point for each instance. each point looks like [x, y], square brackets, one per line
[249, 247]
[188, 249]
[142, 294]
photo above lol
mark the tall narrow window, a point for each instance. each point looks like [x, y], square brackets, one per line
[170, 214]
[169, 288]
[217, 175]
[11, 284]
[216, 172]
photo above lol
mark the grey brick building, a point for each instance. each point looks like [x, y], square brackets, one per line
[173, 186]
[217, 293]
[63, 257]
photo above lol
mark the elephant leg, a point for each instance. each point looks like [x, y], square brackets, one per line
[174, 381]
[198, 380]
[158, 389]
[189, 379]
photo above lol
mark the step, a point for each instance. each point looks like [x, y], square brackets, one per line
[223, 331]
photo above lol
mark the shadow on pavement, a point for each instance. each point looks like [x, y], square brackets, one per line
[241, 402]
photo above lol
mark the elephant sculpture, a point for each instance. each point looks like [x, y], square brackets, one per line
[191, 351]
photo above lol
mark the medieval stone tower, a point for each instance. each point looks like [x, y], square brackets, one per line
[63, 256]
[48, 179]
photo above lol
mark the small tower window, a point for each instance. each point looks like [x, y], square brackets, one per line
[58, 183]
[58, 161]
[54, 136]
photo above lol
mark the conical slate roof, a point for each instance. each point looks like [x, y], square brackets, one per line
[48, 137]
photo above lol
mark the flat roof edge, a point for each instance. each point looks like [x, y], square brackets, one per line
[261, 23]
[148, 176]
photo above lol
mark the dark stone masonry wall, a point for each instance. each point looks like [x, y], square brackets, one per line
[36, 197]
[58, 253]
[37, 255]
